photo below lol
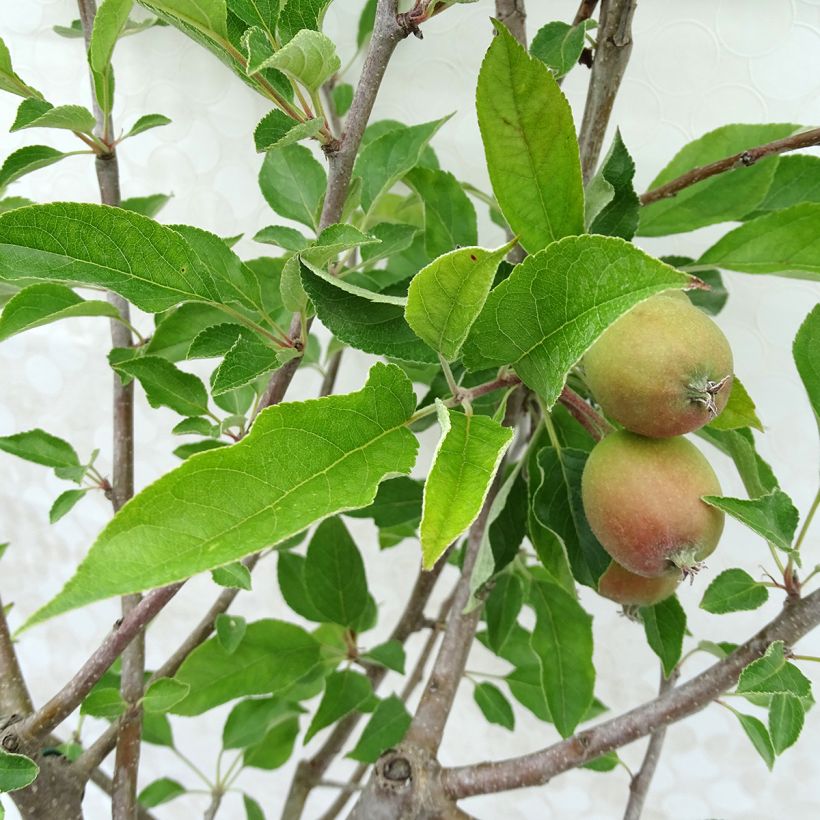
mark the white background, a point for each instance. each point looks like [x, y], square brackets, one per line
[696, 65]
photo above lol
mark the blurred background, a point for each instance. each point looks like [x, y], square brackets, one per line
[695, 65]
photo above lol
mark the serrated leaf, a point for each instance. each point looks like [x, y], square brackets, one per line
[385, 160]
[365, 320]
[42, 304]
[109, 22]
[732, 591]
[309, 58]
[247, 358]
[276, 130]
[529, 141]
[272, 656]
[786, 718]
[42, 448]
[494, 706]
[146, 123]
[230, 630]
[16, 771]
[235, 576]
[25, 160]
[163, 694]
[393, 239]
[397, 501]
[772, 674]
[739, 410]
[293, 183]
[301, 14]
[64, 503]
[783, 243]
[464, 465]
[288, 239]
[773, 516]
[386, 727]
[446, 297]
[562, 641]
[665, 626]
[34, 113]
[334, 574]
[756, 732]
[389, 654]
[214, 340]
[720, 198]
[263, 13]
[206, 16]
[559, 45]
[160, 791]
[148, 206]
[166, 385]
[242, 497]
[556, 303]
[611, 204]
[150, 265]
[9, 80]
[501, 609]
[344, 691]
[806, 352]
[796, 180]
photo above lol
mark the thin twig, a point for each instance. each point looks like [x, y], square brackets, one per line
[639, 785]
[514, 16]
[585, 11]
[331, 373]
[611, 57]
[799, 616]
[14, 694]
[213, 807]
[106, 784]
[743, 159]
[592, 421]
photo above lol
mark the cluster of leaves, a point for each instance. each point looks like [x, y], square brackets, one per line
[401, 276]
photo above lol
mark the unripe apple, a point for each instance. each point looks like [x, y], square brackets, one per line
[642, 497]
[625, 587]
[662, 369]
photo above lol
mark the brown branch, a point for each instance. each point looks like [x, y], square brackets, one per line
[743, 159]
[585, 11]
[611, 57]
[514, 16]
[14, 694]
[639, 785]
[592, 421]
[106, 784]
[799, 616]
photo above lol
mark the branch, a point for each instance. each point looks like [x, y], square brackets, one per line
[106, 784]
[14, 695]
[592, 421]
[639, 785]
[513, 15]
[798, 617]
[585, 11]
[741, 160]
[611, 57]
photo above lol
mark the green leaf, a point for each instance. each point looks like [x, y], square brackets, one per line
[263, 13]
[366, 21]
[25, 160]
[42, 304]
[562, 641]
[739, 410]
[393, 239]
[276, 130]
[611, 204]
[556, 303]
[293, 183]
[772, 674]
[756, 732]
[234, 576]
[529, 140]
[446, 297]
[783, 243]
[43, 448]
[16, 771]
[739, 445]
[230, 630]
[187, 450]
[342, 96]
[206, 16]
[501, 610]
[250, 720]
[253, 811]
[9, 203]
[721, 198]
[732, 591]
[257, 47]
[104, 702]
[559, 45]
[247, 358]
[796, 180]
[301, 14]
[385, 160]
[309, 58]
[146, 123]
[11, 82]
[773, 516]
[389, 654]
[507, 530]
[365, 320]
[163, 694]
[156, 729]
[275, 749]
[556, 505]
[272, 656]
[160, 791]
[806, 352]
[710, 301]
[334, 574]
[494, 706]
[344, 692]
[386, 727]
[291, 577]
[288, 239]
[34, 113]
[786, 717]
[148, 206]
[665, 626]
[64, 503]
[109, 22]
[150, 265]
[464, 465]
[397, 501]
[166, 385]
[242, 497]
[449, 215]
